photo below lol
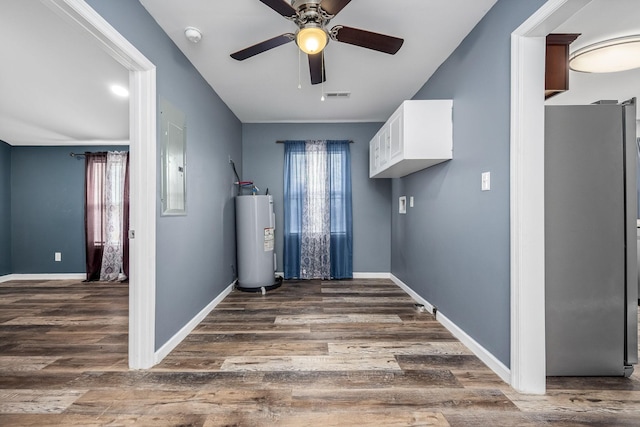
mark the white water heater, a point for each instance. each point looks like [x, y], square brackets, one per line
[255, 235]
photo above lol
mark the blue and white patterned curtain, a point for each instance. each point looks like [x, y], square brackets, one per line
[315, 235]
[318, 242]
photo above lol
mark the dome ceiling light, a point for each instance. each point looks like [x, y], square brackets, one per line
[619, 54]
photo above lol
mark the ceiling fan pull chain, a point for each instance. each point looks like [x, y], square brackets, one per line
[322, 84]
[299, 67]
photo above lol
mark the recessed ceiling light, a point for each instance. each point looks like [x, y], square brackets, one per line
[120, 91]
[608, 56]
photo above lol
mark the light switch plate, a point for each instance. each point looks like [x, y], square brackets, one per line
[411, 201]
[486, 181]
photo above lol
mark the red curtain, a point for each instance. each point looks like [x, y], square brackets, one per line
[95, 216]
[95, 171]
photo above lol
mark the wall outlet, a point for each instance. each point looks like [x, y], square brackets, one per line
[57, 256]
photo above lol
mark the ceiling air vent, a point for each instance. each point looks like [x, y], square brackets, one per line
[338, 95]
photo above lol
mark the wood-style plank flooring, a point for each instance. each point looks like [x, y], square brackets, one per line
[350, 353]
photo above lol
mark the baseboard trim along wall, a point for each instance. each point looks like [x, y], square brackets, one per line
[173, 342]
[482, 353]
[55, 276]
[371, 275]
[358, 275]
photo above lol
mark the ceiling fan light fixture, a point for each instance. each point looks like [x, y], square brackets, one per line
[312, 39]
[619, 54]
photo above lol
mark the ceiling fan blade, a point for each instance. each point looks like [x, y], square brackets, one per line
[316, 68]
[362, 38]
[243, 54]
[280, 6]
[332, 7]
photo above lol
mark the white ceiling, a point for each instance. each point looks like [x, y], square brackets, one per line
[54, 80]
[264, 88]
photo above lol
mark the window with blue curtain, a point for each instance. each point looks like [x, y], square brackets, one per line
[318, 236]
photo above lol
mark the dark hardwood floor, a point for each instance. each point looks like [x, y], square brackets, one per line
[307, 354]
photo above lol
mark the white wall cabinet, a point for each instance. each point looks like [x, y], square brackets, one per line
[418, 134]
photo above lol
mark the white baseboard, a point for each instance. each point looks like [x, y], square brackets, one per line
[412, 294]
[364, 275]
[46, 276]
[482, 353]
[173, 342]
[358, 275]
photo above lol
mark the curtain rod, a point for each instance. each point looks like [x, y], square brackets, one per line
[72, 154]
[282, 142]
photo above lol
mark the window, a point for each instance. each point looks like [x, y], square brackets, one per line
[317, 209]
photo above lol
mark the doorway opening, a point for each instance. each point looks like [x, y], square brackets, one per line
[528, 370]
[142, 134]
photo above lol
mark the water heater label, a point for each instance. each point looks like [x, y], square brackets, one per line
[268, 239]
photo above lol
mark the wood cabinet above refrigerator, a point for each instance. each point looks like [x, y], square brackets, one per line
[556, 76]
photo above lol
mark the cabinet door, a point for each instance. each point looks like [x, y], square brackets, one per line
[385, 147]
[374, 156]
[395, 137]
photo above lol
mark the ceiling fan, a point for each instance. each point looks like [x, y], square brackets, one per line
[312, 17]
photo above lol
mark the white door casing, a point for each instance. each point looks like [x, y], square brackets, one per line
[142, 146]
[528, 44]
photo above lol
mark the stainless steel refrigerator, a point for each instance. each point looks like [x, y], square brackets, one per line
[590, 240]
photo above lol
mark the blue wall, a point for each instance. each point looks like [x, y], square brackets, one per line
[263, 163]
[47, 205]
[5, 208]
[453, 247]
[195, 253]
